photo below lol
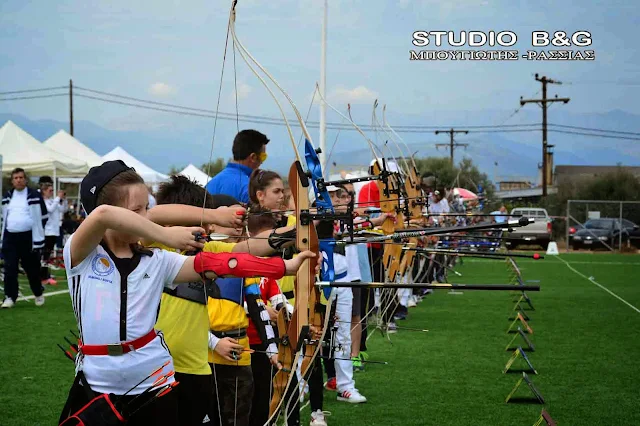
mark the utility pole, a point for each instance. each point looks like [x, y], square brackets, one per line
[71, 107]
[323, 88]
[543, 103]
[452, 144]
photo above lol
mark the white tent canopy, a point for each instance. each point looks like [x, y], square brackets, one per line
[19, 149]
[195, 174]
[147, 173]
[63, 143]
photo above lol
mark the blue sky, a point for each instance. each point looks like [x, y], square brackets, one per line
[171, 51]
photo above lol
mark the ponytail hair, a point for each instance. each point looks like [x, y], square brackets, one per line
[259, 181]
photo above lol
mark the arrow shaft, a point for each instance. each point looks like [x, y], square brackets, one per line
[439, 286]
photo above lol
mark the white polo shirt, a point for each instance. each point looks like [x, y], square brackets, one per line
[110, 310]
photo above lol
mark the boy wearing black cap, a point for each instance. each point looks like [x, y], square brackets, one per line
[116, 285]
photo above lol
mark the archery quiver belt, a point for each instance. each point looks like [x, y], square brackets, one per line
[99, 411]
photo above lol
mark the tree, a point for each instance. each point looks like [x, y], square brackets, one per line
[464, 175]
[173, 170]
[214, 167]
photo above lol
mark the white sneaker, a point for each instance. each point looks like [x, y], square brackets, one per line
[8, 303]
[40, 300]
[317, 418]
[353, 397]
[411, 303]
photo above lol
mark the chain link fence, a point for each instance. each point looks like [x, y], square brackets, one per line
[601, 224]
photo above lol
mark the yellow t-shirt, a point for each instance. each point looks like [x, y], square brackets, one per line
[185, 325]
[227, 315]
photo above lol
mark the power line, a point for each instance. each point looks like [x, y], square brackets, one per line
[505, 130]
[595, 130]
[270, 121]
[517, 110]
[260, 117]
[594, 135]
[19, 98]
[44, 89]
[114, 95]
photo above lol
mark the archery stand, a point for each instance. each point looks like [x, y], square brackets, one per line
[545, 419]
[520, 318]
[521, 312]
[521, 333]
[519, 353]
[529, 383]
[524, 298]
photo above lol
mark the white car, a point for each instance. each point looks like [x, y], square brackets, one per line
[538, 233]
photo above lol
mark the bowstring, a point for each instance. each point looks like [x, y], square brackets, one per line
[243, 54]
[208, 172]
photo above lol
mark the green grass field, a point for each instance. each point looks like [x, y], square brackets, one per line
[586, 353]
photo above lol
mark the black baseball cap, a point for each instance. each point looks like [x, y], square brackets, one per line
[45, 179]
[96, 179]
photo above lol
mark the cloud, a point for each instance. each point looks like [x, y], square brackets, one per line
[243, 90]
[161, 89]
[357, 95]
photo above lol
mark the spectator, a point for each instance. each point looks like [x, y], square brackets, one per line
[55, 209]
[249, 152]
[438, 205]
[24, 216]
[500, 215]
[428, 184]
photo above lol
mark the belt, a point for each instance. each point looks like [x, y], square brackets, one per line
[234, 334]
[118, 348]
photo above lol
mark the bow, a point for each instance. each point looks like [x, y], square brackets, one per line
[298, 340]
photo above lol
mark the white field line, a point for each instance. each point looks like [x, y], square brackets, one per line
[46, 294]
[550, 257]
[600, 285]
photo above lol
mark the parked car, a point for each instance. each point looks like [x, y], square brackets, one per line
[605, 232]
[538, 233]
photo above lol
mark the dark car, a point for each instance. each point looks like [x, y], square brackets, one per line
[605, 232]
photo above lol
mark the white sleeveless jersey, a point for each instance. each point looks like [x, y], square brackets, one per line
[117, 300]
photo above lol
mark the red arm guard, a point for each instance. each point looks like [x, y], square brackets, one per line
[241, 265]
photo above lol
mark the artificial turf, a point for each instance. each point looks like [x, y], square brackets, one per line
[586, 348]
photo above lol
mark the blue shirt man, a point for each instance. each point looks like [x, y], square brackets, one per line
[500, 215]
[233, 180]
[249, 152]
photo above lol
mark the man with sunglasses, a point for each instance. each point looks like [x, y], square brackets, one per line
[249, 152]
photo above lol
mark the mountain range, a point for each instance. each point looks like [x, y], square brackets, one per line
[498, 154]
